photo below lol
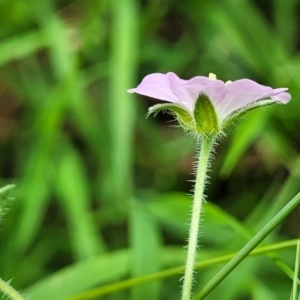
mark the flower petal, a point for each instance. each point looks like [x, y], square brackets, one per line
[155, 86]
[170, 87]
[242, 92]
[188, 91]
[229, 100]
[281, 97]
[186, 96]
[214, 89]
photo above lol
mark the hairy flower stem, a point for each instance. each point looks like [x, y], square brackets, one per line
[9, 291]
[206, 145]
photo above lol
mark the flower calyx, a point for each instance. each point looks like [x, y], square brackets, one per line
[201, 120]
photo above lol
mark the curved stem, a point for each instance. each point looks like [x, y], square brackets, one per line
[206, 145]
[9, 291]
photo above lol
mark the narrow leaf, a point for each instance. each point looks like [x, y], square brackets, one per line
[296, 273]
[80, 276]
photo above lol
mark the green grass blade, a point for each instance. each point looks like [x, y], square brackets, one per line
[286, 17]
[296, 273]
[175, 271]
[33, 195]
[123, 64]
[256, 240]
[248, 34]
[264, 211]
[20, 46]
[80, 276]
[246, 133]
[145, 250]
[73, 190]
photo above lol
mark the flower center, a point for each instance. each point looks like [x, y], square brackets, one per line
[212, 76]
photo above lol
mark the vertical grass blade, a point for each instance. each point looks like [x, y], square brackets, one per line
[73, 189]
[296, 273]
[244, 136]
[121, 105]
[34, 195]
[285, 15]
[145, 250]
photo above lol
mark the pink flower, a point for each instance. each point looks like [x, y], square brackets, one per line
[207, 100]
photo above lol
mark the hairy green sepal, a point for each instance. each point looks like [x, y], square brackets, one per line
[240, 112]
[183, 116]
[206, 119]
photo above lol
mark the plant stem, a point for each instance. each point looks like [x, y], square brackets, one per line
[9, 291]
[206, 145]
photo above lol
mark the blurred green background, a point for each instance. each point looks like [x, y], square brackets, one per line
[101, 191]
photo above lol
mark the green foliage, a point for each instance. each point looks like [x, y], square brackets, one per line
[100, 197]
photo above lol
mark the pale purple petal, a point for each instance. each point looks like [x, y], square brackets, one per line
[242, 92]
[281, 97]
[170, 87]
[226, 98]
[188, 91]
[214, 89]
[155, 86]
[178, 87]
